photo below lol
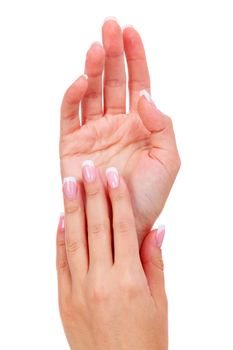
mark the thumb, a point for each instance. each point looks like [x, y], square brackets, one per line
[160, 125]
[152, 262]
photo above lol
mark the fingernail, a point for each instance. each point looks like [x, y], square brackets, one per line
[113, 177]
[85, 76]
[160, 235]
[97, 43]
[70, 187]
[127, 26]
[88, 170]
[61, 225]
[147, 96]
[110, 18]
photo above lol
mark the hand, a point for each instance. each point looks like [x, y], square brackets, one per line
[141, 143]
[109, 298]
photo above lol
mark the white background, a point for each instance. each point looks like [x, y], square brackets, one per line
[189, 49]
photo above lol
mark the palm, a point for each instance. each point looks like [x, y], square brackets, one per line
[140, 144]
[123, 141]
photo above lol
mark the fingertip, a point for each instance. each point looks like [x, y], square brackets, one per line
[112, 37]
[113, 177]
[74, 94]
[95, 54]
[159, 234]
[61, 223]
[127, 26]
[153, 119]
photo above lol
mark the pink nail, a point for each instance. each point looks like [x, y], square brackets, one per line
[70, 187]
[160, 235]
[61, 225]
[113, 177]
[88, 170]
[147, 96]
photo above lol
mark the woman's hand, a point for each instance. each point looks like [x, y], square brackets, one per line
[110, 297]
[140, 143]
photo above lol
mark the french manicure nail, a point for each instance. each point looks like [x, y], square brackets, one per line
[113, 177]
[61, 225]
[97, 43]
[127, 26]
[160, 235]
[85, 76]
[147, 96]
[70, 187]
[110, 18]
[89, 171]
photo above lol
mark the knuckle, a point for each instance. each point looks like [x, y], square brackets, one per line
[72, 246]
[92, 191]
[61, 243]
[62, 264]
[114, 82]
[92, 94]
[119, 195]
[99, 228]
[131, 286]
[139, 84]
[158, 263]
[123, 226]
[99, 293]
[72, 207]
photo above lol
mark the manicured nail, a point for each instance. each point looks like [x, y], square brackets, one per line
[110, 18]
[127, 26]
[70, 187]
[97, 43]
[88, 170]
[61, 225]
[85, 76]
[160, 235]
[147, 96]
[113, 177]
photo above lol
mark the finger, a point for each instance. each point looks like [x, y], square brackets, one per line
[139, 77]
[70, 105]
[163, 140]
[114, 70]
[75, 234]
[92, 101]
[63, 271]
[126, 248]
[152, 262]
[99, 232]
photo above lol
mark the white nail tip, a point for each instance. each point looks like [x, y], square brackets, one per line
[127, 26]
[147, 96]
[69, 179]
[160, 228]
[85, 76]
[111, 170]
[110, 18]
[88, 162]
[97, 43]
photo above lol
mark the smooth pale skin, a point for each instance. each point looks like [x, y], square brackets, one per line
[109, 299]
[141, 143]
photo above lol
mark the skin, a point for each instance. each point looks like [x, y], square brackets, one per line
[140, 143]
[110, 296]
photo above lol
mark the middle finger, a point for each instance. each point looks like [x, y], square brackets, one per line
[114, 70]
